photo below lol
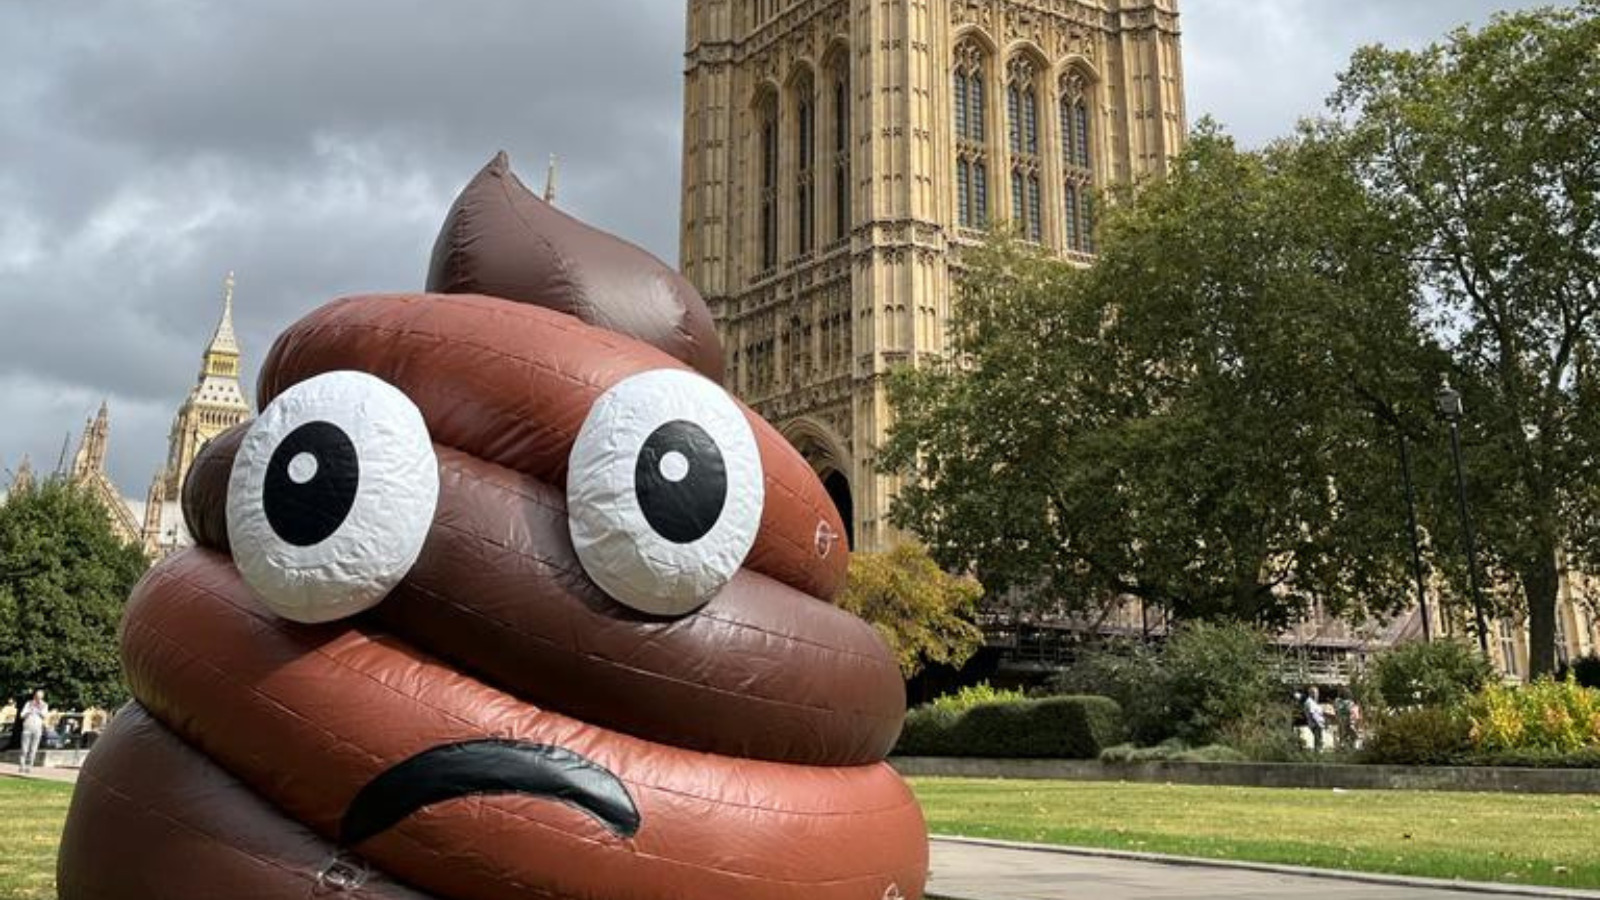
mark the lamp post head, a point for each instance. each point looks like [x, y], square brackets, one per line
[1449, 401]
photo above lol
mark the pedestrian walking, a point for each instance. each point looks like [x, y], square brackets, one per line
[32, 720]
[1315, 719]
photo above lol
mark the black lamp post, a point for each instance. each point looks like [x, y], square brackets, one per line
[1450, 407]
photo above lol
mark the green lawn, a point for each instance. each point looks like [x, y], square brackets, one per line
[1480, 837]
[31, 814]
[1548, 840]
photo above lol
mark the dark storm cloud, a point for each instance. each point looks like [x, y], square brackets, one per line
[149, 146]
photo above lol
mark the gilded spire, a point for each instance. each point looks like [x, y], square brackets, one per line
[222, 355]
[224, 341]
[550, 182]
[215, 404]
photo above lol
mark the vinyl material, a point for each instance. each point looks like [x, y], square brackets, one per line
[501, 634]
[205, 656]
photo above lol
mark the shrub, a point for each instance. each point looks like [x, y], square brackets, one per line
[1049, 728]
[1171, 751]
[974, 695]
[928, 727]
[925, 733]
[1551, 716]
[1215, 676]
[1585, 670]
[1128, 673]
[923, 613]
[1212, 753]
[1205, 679]
[1421, 736]
[1437, 673]
[1133, 753]
[1266, 735]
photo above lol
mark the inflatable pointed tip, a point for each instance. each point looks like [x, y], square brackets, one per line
[502, 240]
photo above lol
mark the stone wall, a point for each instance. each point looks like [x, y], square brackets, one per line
[1272, 775]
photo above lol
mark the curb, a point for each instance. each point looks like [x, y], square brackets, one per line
[1472, 887]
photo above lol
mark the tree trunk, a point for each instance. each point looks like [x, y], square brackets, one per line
[1542, 584]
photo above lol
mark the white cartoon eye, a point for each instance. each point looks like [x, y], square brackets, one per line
[331, 496]
[664, 491]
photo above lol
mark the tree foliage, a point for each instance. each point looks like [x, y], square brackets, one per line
[1191, 421]
[64, 576]
[1197, 687]
[1437, 673]
[922, 611]
[1485, 150]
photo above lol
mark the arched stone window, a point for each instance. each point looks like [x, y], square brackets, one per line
[767, 136]
[1022, 117]
[840, 75]
[971, 118]
[805, 157]
[1077, 162]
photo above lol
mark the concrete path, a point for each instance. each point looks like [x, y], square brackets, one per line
[992, 870]
[41, 772]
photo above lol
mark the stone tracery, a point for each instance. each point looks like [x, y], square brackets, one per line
[889, 199]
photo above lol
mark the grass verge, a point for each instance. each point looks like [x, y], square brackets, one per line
[1545, 840]
[31, 816]
[1542, 839]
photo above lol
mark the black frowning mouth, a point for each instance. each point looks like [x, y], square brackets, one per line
[476, 768]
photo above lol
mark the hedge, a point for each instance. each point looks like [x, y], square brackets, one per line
[1047, 728]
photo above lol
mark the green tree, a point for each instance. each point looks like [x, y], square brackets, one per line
[1437, 673]
[64, 576]
[923, 612]
[1204, 682]
[1189, 422]
[1486, 149]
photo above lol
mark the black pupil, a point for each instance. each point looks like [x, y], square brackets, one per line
[311, 483]
[681, 482]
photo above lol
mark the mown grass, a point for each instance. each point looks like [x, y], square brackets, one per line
[1535, 839]
[31, 816]
[1524, 839]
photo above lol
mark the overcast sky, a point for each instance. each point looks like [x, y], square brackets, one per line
[147, 147]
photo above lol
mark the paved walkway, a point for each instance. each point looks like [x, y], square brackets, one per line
[40, 772]
[992, 870]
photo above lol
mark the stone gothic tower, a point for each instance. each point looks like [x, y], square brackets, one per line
[215, 404]
[836, 152]
[22, 479]
[91, 455]
[89, 472]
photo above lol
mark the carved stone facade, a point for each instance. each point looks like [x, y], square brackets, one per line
[89, 472]
[836, 152]
[215, 404]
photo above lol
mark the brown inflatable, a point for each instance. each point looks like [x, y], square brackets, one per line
[546, 371]
[501, 240]
[502, 596]
[165, 821]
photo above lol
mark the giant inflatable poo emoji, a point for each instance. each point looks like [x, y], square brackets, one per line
[502, 596]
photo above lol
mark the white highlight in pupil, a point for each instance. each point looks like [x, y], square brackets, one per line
[302, 468]
[674, 466]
